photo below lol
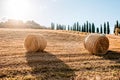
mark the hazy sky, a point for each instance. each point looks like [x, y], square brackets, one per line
[62, 11]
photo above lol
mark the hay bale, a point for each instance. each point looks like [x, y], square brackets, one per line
[96, 43]
[34, 43]
[117, 31]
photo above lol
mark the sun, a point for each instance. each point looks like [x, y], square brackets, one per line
[17, 9]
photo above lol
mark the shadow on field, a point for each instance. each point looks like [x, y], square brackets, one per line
[46, 66]
[112, 55]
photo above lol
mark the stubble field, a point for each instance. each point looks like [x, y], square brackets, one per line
[64, 58]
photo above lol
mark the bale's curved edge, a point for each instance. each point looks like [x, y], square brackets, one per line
[96, 43]
[34, 43]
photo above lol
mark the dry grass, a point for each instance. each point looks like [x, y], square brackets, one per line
[64, 58]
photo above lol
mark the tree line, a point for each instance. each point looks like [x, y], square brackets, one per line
[86, 27]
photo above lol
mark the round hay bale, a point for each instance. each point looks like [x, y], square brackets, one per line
[96, 43]
[35, 43]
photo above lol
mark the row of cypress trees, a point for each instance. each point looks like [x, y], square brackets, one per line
[86, 27]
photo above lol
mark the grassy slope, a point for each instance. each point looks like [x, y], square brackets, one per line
[64, 58]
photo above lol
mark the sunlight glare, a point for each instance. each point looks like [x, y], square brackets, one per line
[17, 9]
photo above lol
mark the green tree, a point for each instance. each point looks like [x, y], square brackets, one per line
[101, 31]
[89, 28]
[57, 26]
[108, 28]
[74, 27]
[117, 24]
[52, 26]
[87, 25]
[93, 28]
[77, 26]
[104, 28]
[68, 27]
[63, 27]
[80, 28]
[97, 30]
[84, 27]
[71, 28]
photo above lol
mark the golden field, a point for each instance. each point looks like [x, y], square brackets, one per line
[64, 58]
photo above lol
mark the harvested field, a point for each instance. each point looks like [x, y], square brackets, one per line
[64, 58]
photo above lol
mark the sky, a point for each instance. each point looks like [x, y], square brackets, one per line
[61, 11]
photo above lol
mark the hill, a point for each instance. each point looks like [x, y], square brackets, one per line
[11, 23]
[64, 58]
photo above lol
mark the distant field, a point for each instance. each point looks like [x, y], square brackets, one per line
[64, 58]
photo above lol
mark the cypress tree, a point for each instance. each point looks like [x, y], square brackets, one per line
[93, 28]
[114, 29]
[80, 28]
[64, 27]
[71, 28]
[101, 31]
[117, 24]
[60, 27]
[68, 27]
[84, 27]
[77, 26]
[52, 26]
[89, 30]
[74, 27]
[104, 28]
[97, 30]
[57, 26]
[108, 28]
[87, 26]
